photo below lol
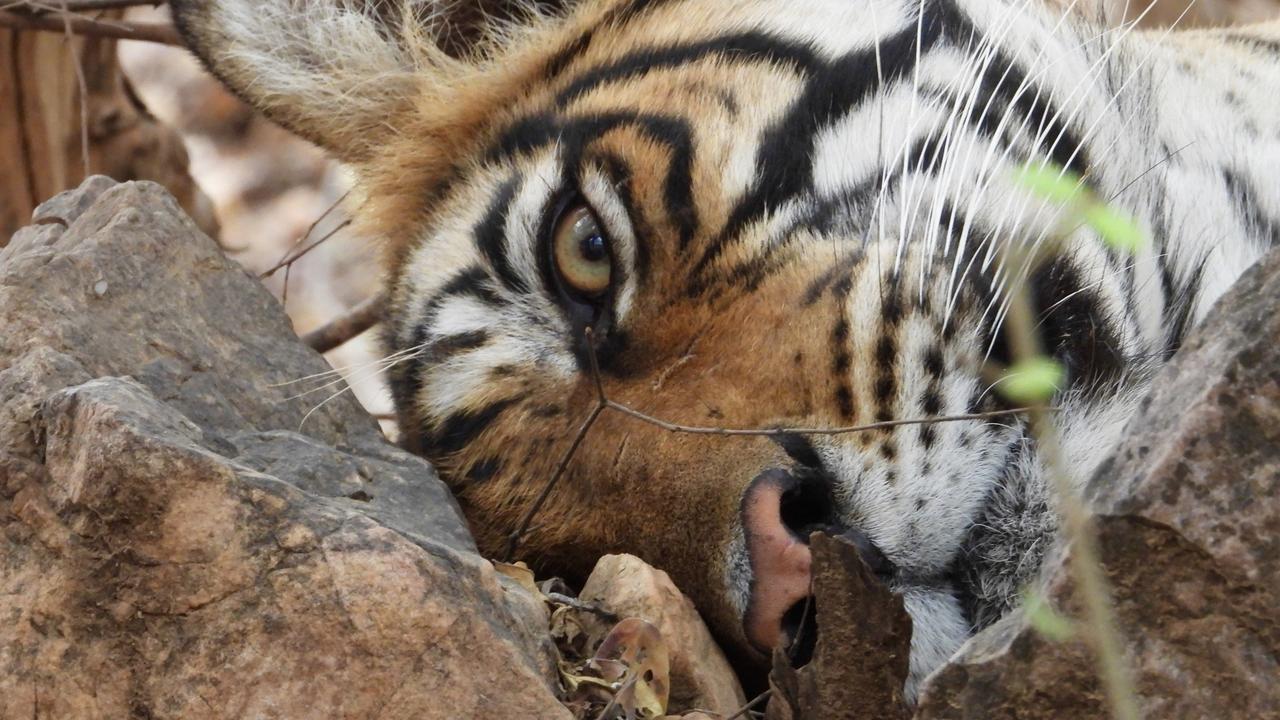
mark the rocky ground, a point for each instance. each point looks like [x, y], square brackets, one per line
[184, 536]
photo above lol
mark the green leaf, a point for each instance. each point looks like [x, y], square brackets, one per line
[1033, 380]
[1046, 621]
[1117, 230]
[1052, 183]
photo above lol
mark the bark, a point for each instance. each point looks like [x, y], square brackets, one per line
[53, 135]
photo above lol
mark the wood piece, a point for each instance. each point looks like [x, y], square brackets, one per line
[862, 658]
[49, 126]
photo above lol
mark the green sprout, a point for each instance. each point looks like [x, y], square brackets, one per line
[1067, 188]
[1044, 619]
[1033, 380]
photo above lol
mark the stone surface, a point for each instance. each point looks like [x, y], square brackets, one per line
[181, 538]
[861, 661]
[701, 678]
[1189, 526]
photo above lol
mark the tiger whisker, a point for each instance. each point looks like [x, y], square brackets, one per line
[339, 373]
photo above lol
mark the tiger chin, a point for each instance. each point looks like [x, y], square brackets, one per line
[768, 214]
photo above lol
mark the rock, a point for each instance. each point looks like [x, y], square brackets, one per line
[131, 288]
[63, 208]
[1189, 527]
[861, 661]
[701, 678]
[179, 543]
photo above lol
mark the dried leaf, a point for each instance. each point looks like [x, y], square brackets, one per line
[521, 573]
[638, 649]
[646, 700]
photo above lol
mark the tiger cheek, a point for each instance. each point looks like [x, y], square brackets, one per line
[672, 499]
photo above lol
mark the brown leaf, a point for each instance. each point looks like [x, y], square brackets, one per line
[520, 573]
[636, 649]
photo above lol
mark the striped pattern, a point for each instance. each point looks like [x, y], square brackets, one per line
[808, 205]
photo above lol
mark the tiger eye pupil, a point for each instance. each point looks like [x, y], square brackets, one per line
[594, 248]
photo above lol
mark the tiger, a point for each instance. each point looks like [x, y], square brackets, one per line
[793, 217]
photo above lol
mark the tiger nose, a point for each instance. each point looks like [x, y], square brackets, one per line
[779, 512]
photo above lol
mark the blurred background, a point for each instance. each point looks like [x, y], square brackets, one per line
[83, 102]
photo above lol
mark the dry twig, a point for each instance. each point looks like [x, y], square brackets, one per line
[93, 5]
[1101, 628]
[753, 703]
[115, 29]
[604, 403]
[342, 329]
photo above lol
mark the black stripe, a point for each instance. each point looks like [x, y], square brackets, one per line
[1003, 79]
[574, 134]
[450, 345]
[473, 281]
[559, 61]
[1262, 45]
[746, 47]
[1075, 329]
[481, 471]
[491, 235]
[886, 384]
[1180, 304]
[615, 18]
[1244, 195]
[977, 287]
[799, 449]
[840, 364]
[461, 428]
[786, 153]
[619, 173]
[405, 377]
[820, 285]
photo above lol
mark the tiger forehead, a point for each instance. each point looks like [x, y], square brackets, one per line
[605, 45]
[652, 91]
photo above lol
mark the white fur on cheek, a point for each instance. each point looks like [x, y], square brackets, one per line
[938, 629]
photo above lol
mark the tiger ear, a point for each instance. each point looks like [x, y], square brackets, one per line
[338, 72]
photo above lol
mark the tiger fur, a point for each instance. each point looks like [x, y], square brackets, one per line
[803, 209]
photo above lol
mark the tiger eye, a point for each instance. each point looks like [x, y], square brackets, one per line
[581, 252]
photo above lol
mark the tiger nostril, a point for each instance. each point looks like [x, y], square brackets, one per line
[800, 631]
[807, 507]
[780, 510]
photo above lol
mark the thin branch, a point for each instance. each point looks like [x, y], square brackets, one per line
[115, 29]
[604, 403]
[778, 432]
[284, 259]
[344, 328]
[586, 607]
[93, 5]
[1100, 626]
[298, 256]
[83, 86]
[513, 543]
[754, 702]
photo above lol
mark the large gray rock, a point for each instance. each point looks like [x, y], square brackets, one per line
[178, 543]
[1188, 513]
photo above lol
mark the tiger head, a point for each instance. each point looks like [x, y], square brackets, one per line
[712, 214]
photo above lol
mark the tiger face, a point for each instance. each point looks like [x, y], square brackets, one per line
[724, 215]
